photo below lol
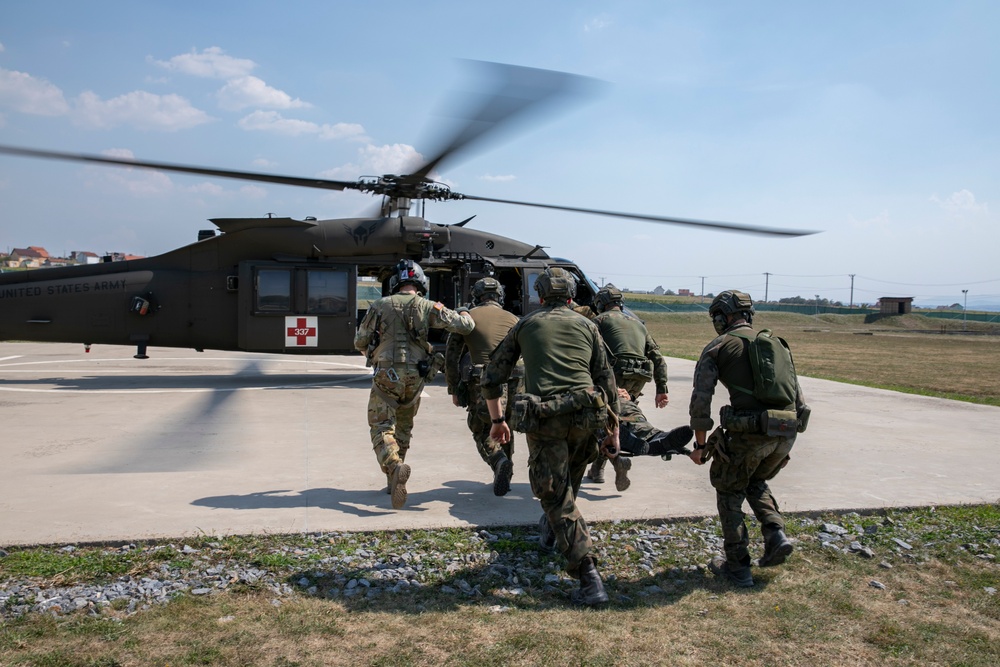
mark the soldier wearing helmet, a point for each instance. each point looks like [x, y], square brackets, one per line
[744, 453]
[569, 389]
[492, 325]
[636, 361]
[393, 336]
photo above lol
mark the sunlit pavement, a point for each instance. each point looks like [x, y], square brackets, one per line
[102, 447]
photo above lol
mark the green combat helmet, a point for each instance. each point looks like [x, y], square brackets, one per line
[486, 289]
[555, 283]
[730, 302]
[408, 271]
[609, 296]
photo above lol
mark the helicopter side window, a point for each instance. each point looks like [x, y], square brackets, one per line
[326, 292]
[274, 290]
[533, 297]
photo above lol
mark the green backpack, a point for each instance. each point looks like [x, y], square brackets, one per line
[774, 379]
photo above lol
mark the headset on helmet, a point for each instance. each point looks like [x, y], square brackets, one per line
[608, 297]
[555, 283]
[408, 271]
[730, 302]
[487, 288]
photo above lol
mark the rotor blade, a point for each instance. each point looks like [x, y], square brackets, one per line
[510, 94]
[724, 226]
[183, 169]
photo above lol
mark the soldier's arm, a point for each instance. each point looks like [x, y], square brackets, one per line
[502, 362]
[600, 371]
[365, 330]
[659, 364]
[446, 318]
[452, 358]
[706, 376]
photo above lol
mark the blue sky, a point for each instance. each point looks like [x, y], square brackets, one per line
[873, 122]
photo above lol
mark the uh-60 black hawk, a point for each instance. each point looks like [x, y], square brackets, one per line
[281, 285]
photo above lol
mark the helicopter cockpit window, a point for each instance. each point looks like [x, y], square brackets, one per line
[274, 290]
[326, 292]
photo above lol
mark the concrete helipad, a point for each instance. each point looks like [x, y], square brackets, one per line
[100, 446]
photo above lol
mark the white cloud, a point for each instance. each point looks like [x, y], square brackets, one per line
[2, 49]
[23, 92]
[378, 160]
[505, 178]
[962, 201]
[138, 109]
[253, 192]
[597, 24]
[211, 63]
[264, 162]
[272, 121]
[876, 222]
[249, 91]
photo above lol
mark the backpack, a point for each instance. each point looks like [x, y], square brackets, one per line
[774, 378]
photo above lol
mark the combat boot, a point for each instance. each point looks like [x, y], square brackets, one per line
[398, 476]
[546, 536]
[591, 592]
[596, 472]
[738, 575]
[777, 548]
[503, 470]
[678, 437]
[622, 465]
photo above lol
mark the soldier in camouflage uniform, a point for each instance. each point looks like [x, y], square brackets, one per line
[637, 437]
[637, 360]
[492, 325]
[569, 387]
[744, 457]
[393, 336]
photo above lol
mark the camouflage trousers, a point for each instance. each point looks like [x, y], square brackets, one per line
[635, 430]
[558, 454]
[392, 406]
[480, 422]
[633, 386]
[753, 459]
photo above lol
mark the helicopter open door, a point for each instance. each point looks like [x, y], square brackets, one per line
[308, 308]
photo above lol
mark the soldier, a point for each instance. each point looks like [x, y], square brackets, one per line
[569, 388]
[637, 360]
[752, 443]
[492, 324]
[393, 336]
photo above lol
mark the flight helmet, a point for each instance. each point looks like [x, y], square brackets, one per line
[730, 302]
[408, 271]
[608, 297]
[485, 289]
[555, 283]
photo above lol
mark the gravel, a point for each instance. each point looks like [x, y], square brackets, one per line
[636, 559]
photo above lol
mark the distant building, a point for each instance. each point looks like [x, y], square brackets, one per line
[658, 290]
[85, 257]
[895, 305]
[684, 292]
[32, 256]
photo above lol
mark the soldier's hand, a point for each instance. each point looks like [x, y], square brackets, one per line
[610, 444]
[662, 400]
[695, 456]
[500, 433]
[454, 400]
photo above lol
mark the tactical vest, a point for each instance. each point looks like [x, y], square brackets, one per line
[403, 327]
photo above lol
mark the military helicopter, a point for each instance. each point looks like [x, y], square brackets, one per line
[282, 285]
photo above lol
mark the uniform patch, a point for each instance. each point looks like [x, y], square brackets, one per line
[438, 305]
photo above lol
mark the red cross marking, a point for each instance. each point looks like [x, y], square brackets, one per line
[301, 332]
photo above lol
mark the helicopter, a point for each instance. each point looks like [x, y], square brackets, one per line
[290, 286]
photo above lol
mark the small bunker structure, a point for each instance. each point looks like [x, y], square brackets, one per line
[895, 305]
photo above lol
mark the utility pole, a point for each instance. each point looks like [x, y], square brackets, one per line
[852, 291]
[767, 279]
[702, 289]
[817, 304]
[965, 302]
